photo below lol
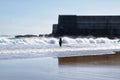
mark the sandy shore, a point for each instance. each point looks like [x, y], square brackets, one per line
[62, 68]
[107, 59]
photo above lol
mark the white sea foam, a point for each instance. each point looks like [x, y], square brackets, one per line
[66, 40]
[85, 46]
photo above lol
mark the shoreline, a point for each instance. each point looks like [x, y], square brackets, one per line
[106, 59]
[93, 67]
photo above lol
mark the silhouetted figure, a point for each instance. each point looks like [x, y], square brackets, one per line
[60, 42]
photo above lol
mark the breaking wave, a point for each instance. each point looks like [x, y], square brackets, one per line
[11, 47]
[54, 41]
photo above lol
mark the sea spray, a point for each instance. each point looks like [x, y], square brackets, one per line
[11, 47]
[44, 42]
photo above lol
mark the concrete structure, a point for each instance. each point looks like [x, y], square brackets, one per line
[98, 26]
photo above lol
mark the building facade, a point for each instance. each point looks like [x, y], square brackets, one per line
[98, 26]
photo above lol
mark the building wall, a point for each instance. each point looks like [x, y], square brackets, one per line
[72, 25]
[67, 24]
[55, 29]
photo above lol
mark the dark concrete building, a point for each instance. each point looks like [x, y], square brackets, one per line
[98, 26]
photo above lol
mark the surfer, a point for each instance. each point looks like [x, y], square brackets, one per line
[60, 42]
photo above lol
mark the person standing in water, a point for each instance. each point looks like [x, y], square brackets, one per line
[60, 42]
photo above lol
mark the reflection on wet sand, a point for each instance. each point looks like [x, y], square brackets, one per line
[108, 59]
[69, 68]
[96, 67]
[29, 69]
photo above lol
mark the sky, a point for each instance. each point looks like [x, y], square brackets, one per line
[38, 16]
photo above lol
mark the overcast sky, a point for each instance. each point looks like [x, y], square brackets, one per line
[38, 16]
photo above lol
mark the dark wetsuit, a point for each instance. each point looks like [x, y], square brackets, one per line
[60, 42]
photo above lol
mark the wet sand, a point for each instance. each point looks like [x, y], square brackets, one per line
[96, 67]
[29, 69]
[108, 59]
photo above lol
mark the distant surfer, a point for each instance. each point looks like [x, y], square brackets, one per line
[60, 42]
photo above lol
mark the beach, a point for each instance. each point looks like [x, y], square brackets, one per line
[105, 59]
[93, 67]
[42, 58]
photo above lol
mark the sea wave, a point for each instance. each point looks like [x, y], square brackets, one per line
[8, 43]
[66, 40]
[11, 47]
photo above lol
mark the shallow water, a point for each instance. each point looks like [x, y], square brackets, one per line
[97, 67]
[29, 69]
[49, 68]
[90, 72]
